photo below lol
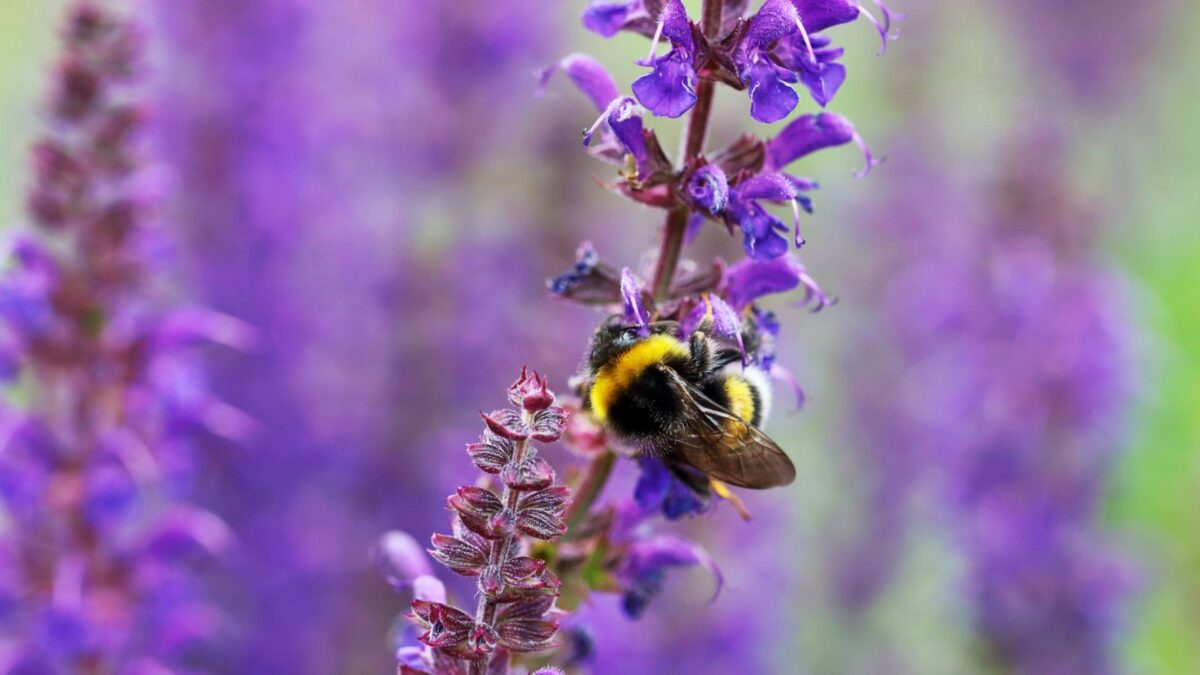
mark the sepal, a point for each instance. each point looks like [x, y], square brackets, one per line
[507, 424]
[492, 452]
[482, 512]
[539, 514]
[534, 473]
[548, 424]
[462, 556]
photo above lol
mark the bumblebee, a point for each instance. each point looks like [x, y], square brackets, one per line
[679, 401]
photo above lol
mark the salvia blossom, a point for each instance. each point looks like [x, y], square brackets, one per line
[728, 187]
[764, 54]
[100, 545]
[761, 53]
[490, 541]
[615, 546]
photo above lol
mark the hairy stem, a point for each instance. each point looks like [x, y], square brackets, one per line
[485, 611]
[589, 489]
[693, 144]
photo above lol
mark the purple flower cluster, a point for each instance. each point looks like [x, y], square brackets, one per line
[763, 55]
[1012, 332]
[98, 556]
[729, 186]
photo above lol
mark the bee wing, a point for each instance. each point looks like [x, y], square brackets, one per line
[723, 445]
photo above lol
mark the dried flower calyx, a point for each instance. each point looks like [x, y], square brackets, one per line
[489, 540]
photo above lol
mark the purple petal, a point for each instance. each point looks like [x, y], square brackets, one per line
[726, 322]
[401, 559]
[668, 91]
[824, 84]
[776, 19]
[783, 374]
[761, 238]
[631, 293]
[606, 18]
[817, 15]
[770, 99]
[770, 186]
[654, 481]
[709, 189]
[429, 588]
[626, 123]
[749, 280]
[694, 225]
[588, 76]
[814, 298]
[807, 134]
[675, 25]
[641, 571]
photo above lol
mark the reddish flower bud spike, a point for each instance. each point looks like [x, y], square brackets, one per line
[485, 543]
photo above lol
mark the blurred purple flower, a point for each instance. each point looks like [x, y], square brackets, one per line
[96, 466]
[1008, 326]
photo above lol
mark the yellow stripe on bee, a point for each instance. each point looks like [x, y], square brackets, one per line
[741, 400]
[615, 377]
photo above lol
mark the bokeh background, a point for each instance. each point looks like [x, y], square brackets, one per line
[374, 186]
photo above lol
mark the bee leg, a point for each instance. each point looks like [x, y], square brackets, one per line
[722, 491]
[701, 353]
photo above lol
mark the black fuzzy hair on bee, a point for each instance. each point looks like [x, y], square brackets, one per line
[656, 392]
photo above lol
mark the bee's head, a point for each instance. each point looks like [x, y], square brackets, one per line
[614, 336]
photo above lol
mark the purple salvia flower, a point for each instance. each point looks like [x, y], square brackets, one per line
[587, 75]
[781, 47]
[669, 90]
[645, 563]
[658, 489]
[730, 185]
[608, 17]
[633, 297]
[709, 189]
[95, 468]
[805, 135]
[771, 99]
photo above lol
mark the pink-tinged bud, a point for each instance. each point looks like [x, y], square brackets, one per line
[531, 392]
[489, 533]
[532, 474]
[548, 424]
[79, 88]
[506, 423]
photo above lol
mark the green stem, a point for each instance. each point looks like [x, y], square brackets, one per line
[589, 488]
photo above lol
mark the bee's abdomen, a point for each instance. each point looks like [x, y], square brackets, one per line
[647, 408]
[738, 395]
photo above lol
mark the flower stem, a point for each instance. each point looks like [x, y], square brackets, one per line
[589, 488]
[485, 611]
[697, 128]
